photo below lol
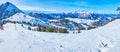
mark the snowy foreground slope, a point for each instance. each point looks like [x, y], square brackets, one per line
[102, 39]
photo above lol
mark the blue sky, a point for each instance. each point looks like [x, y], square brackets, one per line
[101, 6]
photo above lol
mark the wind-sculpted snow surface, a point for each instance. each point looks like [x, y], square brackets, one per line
[102, 39]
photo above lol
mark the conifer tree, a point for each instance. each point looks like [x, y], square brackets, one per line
[29, 28]
[118, 9]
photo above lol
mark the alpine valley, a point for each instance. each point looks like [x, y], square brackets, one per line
[79, 31]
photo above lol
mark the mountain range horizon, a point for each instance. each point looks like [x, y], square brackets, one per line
[79, 19]
[42, 11]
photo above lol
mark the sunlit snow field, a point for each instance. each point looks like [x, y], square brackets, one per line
[102, 39]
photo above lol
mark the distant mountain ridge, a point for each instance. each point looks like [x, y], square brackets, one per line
[102, 19]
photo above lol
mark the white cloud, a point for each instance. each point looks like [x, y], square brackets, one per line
[34, 8]
[20, 5]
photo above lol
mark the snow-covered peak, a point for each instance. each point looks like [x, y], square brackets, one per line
[77, 20]
[20, 17]
[9, 6]
[83, 11]
[8, 9]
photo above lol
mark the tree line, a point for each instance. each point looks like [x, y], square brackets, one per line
[39, 27]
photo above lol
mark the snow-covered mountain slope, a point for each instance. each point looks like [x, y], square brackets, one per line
[103, 39]
[21, 17]
[110, 30]
[73, 23]
[77, 20]
[69, 24]
[110, 34]
[100, 19]
[8, 9]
